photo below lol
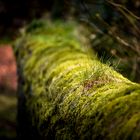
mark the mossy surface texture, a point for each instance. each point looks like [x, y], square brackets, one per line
[68, 93]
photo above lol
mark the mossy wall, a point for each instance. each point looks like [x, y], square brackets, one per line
[66, 93]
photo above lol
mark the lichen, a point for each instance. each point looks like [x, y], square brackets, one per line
[70, 94]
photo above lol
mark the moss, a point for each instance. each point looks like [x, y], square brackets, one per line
[71, 94]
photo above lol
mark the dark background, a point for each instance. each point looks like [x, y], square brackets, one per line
[16, 13]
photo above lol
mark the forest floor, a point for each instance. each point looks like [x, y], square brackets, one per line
[8, 87]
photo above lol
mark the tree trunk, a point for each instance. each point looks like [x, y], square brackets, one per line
[65, 93]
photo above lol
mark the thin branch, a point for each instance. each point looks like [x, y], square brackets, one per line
[131, 17]
[124, 8]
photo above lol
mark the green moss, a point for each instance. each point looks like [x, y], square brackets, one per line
[71, 94]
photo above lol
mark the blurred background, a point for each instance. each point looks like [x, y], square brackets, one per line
[113, 30]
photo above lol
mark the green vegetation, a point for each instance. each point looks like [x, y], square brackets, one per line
[67, 93]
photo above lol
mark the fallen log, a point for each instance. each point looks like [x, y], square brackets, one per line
[65, 93]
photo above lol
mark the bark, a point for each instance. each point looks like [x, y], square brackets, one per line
[65, 93]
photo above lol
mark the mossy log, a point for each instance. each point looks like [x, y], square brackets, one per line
[66, 93]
